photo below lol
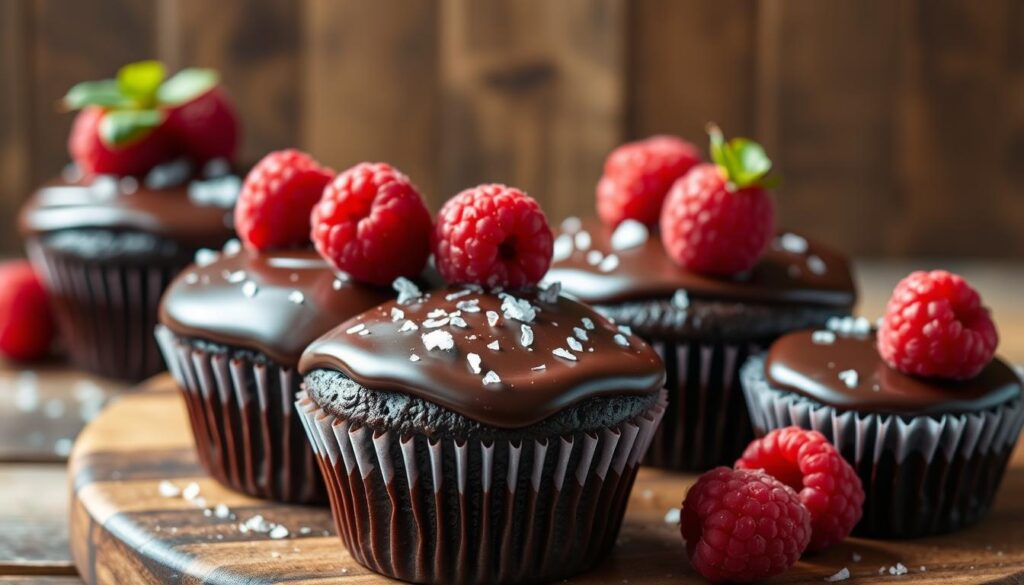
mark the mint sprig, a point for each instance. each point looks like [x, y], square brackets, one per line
[743, 161]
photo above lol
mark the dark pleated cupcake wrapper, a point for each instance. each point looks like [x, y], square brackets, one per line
[922, 475]
[248, 435]
[437, 511]
[706, 422]
[106, 311]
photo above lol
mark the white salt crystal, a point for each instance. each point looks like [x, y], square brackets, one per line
[588, 323]
[296, 297]
[457, 294]
[205, 257]
[406, 289]
[562, 248]
[474, 362]
[842, 575]
[610, 263]
[408, 326]
[355, 328]
[191, 491]
[435, 323]
[539, 368]
[574, 344]
[793, 243]
[580, 333]
[438, 339]
[518, 309]
[898, 569]
[458, 321]
[582, 240]
[491, 378]
[594, 257]
[549, 294]
[232, 247]
[469, 306]
[168, 489]
[492, 318]
[630, 234]
[850, 378]
[564, 354]
[672, 516]
[526, 335]
[823, 337]
[278, 532]
[621, 340]
[571, 224]
[250, 289]
[222, 511]
[494, 345]
[414, 358]
[681, 300]
[816, 265]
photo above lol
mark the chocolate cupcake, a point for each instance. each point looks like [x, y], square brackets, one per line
[151, 185]
[704, 327]
[232, 331]
[468, 437]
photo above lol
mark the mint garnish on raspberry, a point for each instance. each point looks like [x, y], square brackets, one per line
[743, 161]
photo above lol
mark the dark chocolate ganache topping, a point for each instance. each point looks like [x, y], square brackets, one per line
[503, 360]
[846, 372]
[192, 211]
[272, 302]
[598, 264]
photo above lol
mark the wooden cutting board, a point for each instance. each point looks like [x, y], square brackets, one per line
[125, 530]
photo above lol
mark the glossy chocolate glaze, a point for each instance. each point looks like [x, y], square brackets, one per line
[797, 363]
[275, 302]
[533, 382]
[126, 205]
[817, 276]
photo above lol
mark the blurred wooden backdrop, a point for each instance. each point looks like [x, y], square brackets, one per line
[898, 125]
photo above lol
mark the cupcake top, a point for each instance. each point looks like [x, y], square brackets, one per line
[274, 302]
[846, 371]
[599, 264]
[168, 203]
[505, 360]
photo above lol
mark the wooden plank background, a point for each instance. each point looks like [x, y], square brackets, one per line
[898, 126]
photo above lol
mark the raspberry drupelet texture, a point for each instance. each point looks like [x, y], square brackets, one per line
[936, 326]
[27, 325]
[638, 175]
[492, 235]
[742, 526]
[95, 157]
[826, 483]
[372, 223]
[276, 199]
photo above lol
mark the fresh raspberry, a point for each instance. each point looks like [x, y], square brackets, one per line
[935, 326]
[637, 176]
[742, 526]
[492, 235]
[372, 223]
[827, 485]
[95, 157]
[276, 200]
[26, 322]
[206, 126]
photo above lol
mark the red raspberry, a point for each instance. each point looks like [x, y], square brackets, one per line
[276, 199]
[742, 526]
[936, 326]
[26, 322]
[206, 126]
[637, 176]
[372, 223]
[492, 235]
[95, 157]
[828, 485]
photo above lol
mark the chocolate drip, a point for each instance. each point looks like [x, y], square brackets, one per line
[848, 373]
[544, 362]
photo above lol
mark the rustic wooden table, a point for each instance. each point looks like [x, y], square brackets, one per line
[42, 408]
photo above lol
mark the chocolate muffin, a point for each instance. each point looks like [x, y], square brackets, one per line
[107, 247]
[232, 330]
[470, 437]
[704, 327]
[930, 453]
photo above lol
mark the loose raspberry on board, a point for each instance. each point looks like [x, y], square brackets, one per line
[26, 321]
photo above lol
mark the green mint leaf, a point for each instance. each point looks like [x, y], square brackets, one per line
[119, 127]
[95, 93]
[186, 85]
[722, 153]
[753, 162]
[139, 81]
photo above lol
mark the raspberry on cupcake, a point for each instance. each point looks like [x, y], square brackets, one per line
[921, 409]
[235, 324]
[150, 185]
[480, 418]
[714, 285]
[638, 175]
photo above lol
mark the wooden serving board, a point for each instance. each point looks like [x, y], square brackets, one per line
[123, 530]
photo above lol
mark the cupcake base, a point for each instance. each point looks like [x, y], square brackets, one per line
[248, 435]
[922, 475]
[441, 511]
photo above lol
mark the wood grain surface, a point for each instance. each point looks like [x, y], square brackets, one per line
[124, 530]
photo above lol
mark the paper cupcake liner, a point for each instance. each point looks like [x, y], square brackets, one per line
[248, 435]
[106, 311]
[440, 511]
[922, 475]
[706, 422]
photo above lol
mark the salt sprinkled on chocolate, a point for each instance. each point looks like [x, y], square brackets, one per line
[550, 293]
[434, 323]
[842, 575]
[594, 257]
[250, 289]
[621, 340]
[793, 243]
[469, 306]
[571, 224]
[234, 277]
[564, 354]
[355, 328]
[630, 234]
[574, 344]
[437, 313]
[408, 326]
[582, 240]
[296, 297]
[526, 335]
[823, 337]
[232, 247]
[518, 309]
[491, 378]
[492, 318]
[588, 323]
[438, 339]
[414, 358]
[406, 289]
[474, 362]
[457, 294]
[579, 333]
[610, 263]
[205, 257]
[397, 314]
[680, 299]
[456, 320]
[850, 378]
[494, 345]
[816, 265]
[539, 368]
[562, 248]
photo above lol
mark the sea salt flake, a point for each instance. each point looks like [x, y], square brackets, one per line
[526, 335]
[562, 248]
[793, 243]
[681, 300]
[457, 294]
[580, 333]
[624, 329]
[898, 569]
[397, 314]
[469, 306]
[234, 277]
[337, 284]
[356, 328]
[610, 263]
[816, 265]
[222, 511]
[491, 378]
[574, 344]
[168, 489]
[297, 297]
[494, 345]
[278, 532]
[492, 318]
[588, 323]
[437, 313]
[549, 294]
[594, 257]
[582, 240]
[232, 247]
[564, 354]
[408, 326]
[621, 340]
[250, 289]
[435, 323]
[842, 575]
[474, 362]
[438, 339]
[571, 224]
[406, 289]
[672, 516]
[850, 378]
[539, 368]
[518, 309]
[205, 257]
[458, 321]
[630, 234]
[823, 337]
[414, 358]
[191, 491]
